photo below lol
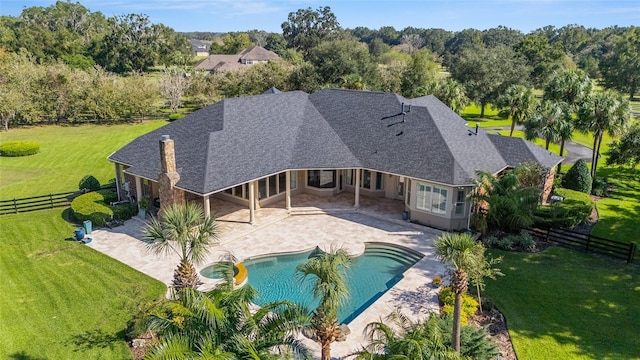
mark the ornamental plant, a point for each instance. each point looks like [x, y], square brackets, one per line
[19, 148]
[578, 177]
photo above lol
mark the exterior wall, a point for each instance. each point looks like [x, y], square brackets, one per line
[449, 220]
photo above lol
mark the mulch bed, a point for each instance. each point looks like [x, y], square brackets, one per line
[494, 322]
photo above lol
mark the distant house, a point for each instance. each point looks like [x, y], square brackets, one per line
[260, 150]
[250, 56]
[200, 48]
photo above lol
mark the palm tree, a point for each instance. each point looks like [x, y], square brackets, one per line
[546, 121]
[460, 252]
[330, 286]
[219, 324]
[570, 86]
[520, 102]
[605, 111]
[452, 94]
[397, 337]
[508, 205]
[185, 231]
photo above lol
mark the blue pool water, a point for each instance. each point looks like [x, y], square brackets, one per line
[371, 275]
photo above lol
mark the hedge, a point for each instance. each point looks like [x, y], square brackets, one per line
[94, 206]
[19, 148]
[568, 213]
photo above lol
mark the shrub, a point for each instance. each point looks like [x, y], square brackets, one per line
[19, 148]
[522, 241]
[91, 206]
[600, 187]
[475, 342]
[175, 116]
[89, 183]
[94, 206]
[578, 177]
[568, 213]
[448, 298]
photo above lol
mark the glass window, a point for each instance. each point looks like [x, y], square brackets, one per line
[324, 179]
[282, 182]
[294, 179]
[460, 202]
[423, 197]
[349, 177]
[439, 200]
[262, 189]
[273, 185]
[366, 180]
[379, 181]
[408, 181]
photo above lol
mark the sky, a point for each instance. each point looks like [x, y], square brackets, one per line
[452, 15]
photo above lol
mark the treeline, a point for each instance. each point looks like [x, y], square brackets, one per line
[70, 33]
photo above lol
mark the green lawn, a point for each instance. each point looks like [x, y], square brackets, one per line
[60, 299]
[491, 119]
[67, 153]
[563, 304]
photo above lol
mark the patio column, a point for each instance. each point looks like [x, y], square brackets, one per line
[138, 189]
[207, 206]
[357, 188]
[287, 179]
[118, 181]
[252, 202]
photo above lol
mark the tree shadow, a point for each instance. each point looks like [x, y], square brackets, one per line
[97, 338]
[24, 356]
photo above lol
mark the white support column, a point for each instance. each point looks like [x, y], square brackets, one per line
[118, 181]
[287, 201]
[357, 187]
[252, 202]
[138, 189]
[207, 206]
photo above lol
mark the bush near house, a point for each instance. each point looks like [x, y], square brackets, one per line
[578, 177]
[94, 206]
[568, 213]
[19, 148]
[89, 183]
[448, 298]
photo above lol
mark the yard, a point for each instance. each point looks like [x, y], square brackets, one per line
[58, 298]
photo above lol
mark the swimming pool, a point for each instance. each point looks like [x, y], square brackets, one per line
[371, 275]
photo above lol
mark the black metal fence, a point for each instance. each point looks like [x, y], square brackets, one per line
[586, 242]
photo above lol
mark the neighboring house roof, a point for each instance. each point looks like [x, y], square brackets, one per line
[258, 53]
[238, 61]
[199, 46]
[242, 139]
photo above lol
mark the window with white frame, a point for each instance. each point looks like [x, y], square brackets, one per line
[460, 202]
[431, 198]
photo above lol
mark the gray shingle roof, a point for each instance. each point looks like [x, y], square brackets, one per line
[242, 139]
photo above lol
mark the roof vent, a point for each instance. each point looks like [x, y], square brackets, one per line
[166, 137]
[472, 132]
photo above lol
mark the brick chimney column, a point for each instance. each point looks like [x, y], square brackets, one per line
[168, 176]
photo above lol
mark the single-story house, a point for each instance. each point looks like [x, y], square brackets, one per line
[258, 150]
[250, 56]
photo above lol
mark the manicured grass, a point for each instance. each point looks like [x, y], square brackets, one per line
[491, 119]
[563, 304]
[60, 299]
[67, 154]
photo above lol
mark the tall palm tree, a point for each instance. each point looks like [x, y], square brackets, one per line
[605, 111]
[458, 251]
[330, 286]
[546, 121]
[397, 337]
[520, 102]
[219, 324]
[185, 231]
[452, 94]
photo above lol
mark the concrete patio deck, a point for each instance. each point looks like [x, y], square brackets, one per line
[326, 222]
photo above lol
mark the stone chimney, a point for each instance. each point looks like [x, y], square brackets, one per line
[168, 175]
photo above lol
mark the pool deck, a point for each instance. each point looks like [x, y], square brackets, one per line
[313, 222]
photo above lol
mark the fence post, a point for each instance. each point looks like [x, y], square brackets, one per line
[51, 200]
[588, 241]
[15, 205]
[632, 251]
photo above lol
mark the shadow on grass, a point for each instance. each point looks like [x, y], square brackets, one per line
[561, 303]
[24, 356]
[97, 338]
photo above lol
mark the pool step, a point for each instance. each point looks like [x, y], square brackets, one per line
[403, 256]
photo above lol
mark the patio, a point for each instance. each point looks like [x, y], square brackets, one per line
[326, 222]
